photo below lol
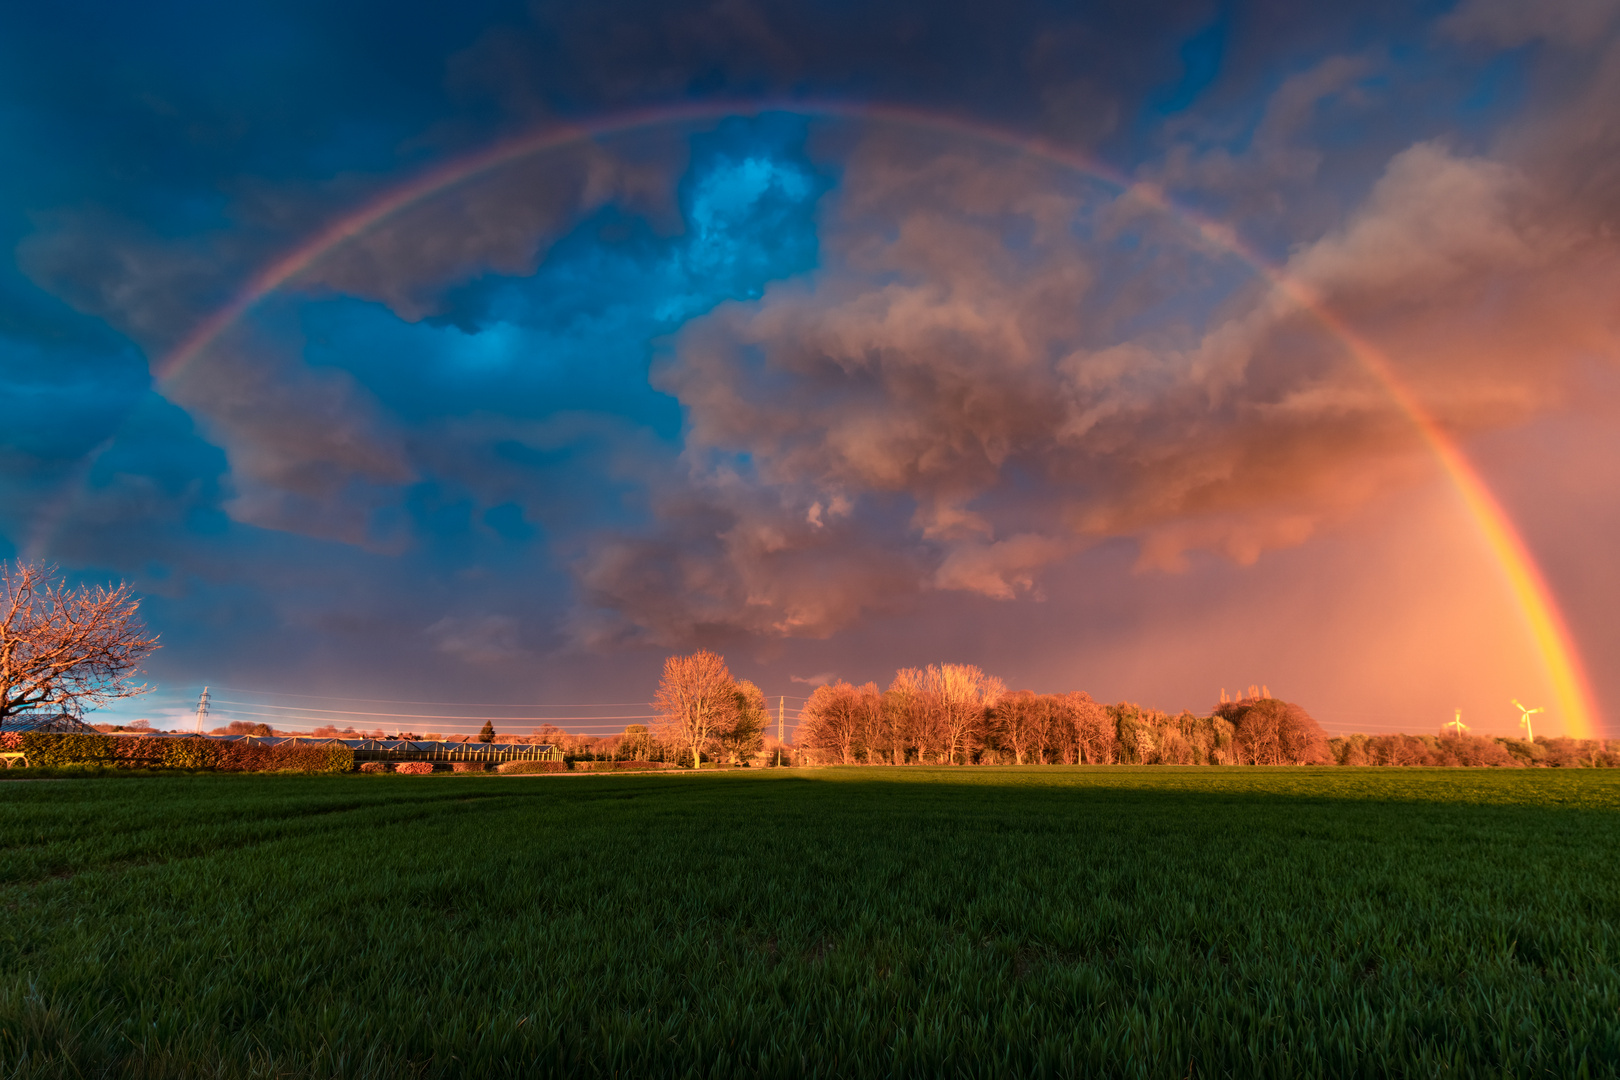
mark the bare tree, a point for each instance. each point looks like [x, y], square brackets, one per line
[1020, 720]
[916, 712]
[961, 696]
[72, 650]
[1275, 732]
[869, 715]
[903, 706]
[838, 718]
[1095, 737]
[698, 700]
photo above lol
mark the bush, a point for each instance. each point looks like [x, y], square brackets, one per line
[244, 757]
[615, 766]
[139, 751]
[49, 750]
[1524, 751]
[327, 758]
[469, 766]
[1472, 750]
[374, 766]
[532, 767]
[1349, 750]
[414, 768]
[190, 753]
[1570, 753]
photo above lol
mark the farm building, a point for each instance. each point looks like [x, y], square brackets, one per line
[55, 723]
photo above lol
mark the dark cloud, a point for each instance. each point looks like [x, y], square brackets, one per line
[943, 355]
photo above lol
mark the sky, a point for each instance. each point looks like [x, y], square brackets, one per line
[485, 354]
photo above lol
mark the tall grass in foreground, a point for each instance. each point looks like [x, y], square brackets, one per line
[1155, 922]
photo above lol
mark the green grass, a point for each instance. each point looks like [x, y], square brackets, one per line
[983, 922]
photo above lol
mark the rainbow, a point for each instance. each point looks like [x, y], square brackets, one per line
[1534, 599]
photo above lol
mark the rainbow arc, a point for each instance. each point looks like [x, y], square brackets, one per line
[1523, 578]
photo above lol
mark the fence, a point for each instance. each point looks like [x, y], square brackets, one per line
[488, 753]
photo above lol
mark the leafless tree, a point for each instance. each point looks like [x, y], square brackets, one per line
[906, 714]
[65, 649]
[838, 718]
[1095, 737]
[901, 713]
[874, 727]
[697, 699]
[1271, 731]
[1020, 721]
[960, 696]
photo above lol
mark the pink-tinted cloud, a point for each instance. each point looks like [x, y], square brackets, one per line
[943, 378]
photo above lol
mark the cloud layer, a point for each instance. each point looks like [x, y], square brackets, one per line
[776, 380]
[960, 380]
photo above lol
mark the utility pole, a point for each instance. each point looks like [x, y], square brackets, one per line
[781, 727]
[202, 709]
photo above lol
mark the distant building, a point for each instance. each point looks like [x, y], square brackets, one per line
[58, 723]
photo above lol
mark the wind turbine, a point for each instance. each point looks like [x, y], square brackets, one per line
[1457, 725]
[1525, 716]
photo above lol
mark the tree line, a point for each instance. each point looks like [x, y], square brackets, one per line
[72, 650]
[945, 714]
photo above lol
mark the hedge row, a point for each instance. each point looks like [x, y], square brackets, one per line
[532, 766]
[48, 750]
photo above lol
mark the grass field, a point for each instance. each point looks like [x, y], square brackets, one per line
[861, 922]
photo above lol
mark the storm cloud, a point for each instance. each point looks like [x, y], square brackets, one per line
[848, 354]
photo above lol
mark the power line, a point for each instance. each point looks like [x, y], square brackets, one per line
[181, 697]
[400, 701]
[340, 714]
[437, 721]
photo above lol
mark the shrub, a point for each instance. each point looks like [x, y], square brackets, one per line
[49, 750]
[533, 766]
[610, 766]
[414, 768]
[52, 750]
[189, 753]
[10, 740]
[139, 751]
[244, 757]
[1350, 750]
[1399, 750]
[318, 758]
[1578, 753]
[1524, 751]
[469, 766]
[374, 766]
[1471, 750]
